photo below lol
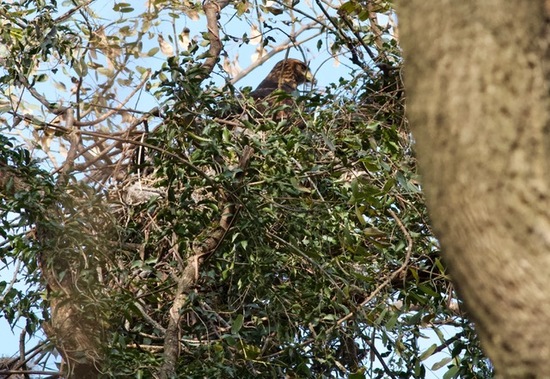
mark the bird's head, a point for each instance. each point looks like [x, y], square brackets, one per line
[292, 72]
[287, 75]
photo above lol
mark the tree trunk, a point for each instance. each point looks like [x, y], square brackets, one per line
[478, 103]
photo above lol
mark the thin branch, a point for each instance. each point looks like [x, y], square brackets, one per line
[282, 47]
[21, 362]
[13, 279]
[373, 20]
[74, 141]
[119, 108]
[339, 33]
[393, 275]
[379, 356]
[448, 342]
[307, 258]
[72, 11]
[148, 318]
[125, 140]
[52, 107]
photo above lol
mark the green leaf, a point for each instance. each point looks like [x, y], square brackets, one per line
[105, 71]
[427, 290]
[123, 7]
[348, 7]
[319, 44]
[428, 352]
[436, 366]
[229, 339]
[360, 374]
[242, 7]
[152, 52]
[251, 351]
[273, 10]
[392, 321]
[439, 265]
[452, 372]
[42, 78]
[237, 324]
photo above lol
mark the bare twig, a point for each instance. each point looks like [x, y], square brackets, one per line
[116, 137]
[119, 108]
[282, 47]
[21, 363]
[448, 342]
[74, 140]
[72, 11]
[375, 351]
[55, 108]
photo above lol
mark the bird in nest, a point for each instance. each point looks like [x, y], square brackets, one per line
[285, 77]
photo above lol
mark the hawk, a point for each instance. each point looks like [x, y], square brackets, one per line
[285, 77]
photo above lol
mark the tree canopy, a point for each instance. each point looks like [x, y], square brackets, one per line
[159, 222]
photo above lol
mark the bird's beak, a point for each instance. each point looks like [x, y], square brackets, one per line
[310, 78]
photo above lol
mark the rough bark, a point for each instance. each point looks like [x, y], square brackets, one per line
[477, 100]
[77, 332]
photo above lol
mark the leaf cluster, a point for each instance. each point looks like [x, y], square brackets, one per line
[326, 213]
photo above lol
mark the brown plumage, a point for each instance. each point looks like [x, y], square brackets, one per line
[286, 76]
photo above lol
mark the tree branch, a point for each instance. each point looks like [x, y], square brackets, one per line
[203, 246]
[212, 9]
[390, 277]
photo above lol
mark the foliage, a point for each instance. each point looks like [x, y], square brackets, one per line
[297, 247]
